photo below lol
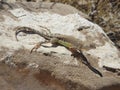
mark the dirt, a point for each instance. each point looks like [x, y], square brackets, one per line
[53, 75]
[26, 80]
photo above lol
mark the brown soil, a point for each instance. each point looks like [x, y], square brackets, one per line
[52, 74]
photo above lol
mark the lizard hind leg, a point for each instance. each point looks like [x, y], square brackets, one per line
[45, 28]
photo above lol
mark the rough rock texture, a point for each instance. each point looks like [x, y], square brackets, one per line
[58, 70]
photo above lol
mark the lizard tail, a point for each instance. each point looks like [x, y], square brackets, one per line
[30, 31]
[25, 30]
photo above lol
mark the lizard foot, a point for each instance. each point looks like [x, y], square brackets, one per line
[35, 47]
[38, 46]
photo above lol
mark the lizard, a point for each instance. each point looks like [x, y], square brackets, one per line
[69, 42]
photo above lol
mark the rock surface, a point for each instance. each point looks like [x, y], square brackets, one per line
[61, 70]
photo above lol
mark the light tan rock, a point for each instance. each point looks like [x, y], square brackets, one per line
[99, 50]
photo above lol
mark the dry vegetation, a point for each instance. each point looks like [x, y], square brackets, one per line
[106, 13]
[103, 12]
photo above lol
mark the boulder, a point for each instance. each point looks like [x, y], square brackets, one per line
[58, 62]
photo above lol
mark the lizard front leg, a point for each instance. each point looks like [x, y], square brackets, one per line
[53, 41]
[38, 46]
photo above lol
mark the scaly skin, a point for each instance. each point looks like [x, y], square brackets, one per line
[67, 41]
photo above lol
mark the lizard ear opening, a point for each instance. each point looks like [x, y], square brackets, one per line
[54, 40]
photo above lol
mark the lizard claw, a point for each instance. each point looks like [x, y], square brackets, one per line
[35, 47]
[38, 46]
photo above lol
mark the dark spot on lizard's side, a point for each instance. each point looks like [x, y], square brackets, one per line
[83, 27]
[92, 46]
